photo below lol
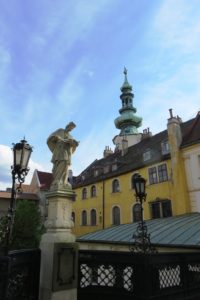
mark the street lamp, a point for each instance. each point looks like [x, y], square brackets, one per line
[21, 155]
[141, 238]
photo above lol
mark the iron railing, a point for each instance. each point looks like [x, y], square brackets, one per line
[116, 275]
[19, 275]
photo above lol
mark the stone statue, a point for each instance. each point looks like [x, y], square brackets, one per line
[62, 145]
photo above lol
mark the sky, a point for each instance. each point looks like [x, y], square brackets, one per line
[63, 61]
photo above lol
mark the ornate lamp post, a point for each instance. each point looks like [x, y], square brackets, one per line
[21, 155]
[141, 238]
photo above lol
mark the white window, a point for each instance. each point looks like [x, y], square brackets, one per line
[147, 155]
[96, 173]
[165, 147]
[114, 167]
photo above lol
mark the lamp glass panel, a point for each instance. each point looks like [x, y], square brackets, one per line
[17, 156]
[142, 187]
[137, 187]
[25, 157]
[139, 184]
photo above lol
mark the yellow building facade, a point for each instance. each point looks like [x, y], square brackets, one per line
[105, 194]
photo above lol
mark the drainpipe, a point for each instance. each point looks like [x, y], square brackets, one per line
[103, 205]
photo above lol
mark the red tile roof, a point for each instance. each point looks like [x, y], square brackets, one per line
[192, 135]
[45, 180]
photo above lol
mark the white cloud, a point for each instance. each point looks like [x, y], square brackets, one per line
[5, 165]
[70, 91]
[177, 25]
[179, 92]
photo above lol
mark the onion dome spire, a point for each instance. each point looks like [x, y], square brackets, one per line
[126, 83]
[128, 122]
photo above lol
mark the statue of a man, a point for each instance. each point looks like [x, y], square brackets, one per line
[62, 145]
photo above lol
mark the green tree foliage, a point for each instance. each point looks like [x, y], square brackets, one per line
[27, 229]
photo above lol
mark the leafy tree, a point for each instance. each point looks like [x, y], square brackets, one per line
[27, 228]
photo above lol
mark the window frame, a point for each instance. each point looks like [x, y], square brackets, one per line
[84, 193]
[93, 218]
[161, 211]
[84, 218]
[162, 173]
[165, 147]
[147, 155]
[151, 172]
[115, 186]
[93, 191]
[116, 217]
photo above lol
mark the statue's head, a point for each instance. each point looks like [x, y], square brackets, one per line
[70, 126]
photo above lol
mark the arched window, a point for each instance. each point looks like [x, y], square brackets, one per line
[132, 179]
[93, 217]
[137, 212]
[116, 215]
[115, 186]
[73, 216]
[84, 193]
[93, 191]
[84, 218]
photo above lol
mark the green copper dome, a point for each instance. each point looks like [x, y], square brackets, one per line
[128, 122]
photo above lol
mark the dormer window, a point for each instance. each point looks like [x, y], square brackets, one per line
[106, 169]
[147, 155]
[96, 173]
[114, 167]
[165, 147]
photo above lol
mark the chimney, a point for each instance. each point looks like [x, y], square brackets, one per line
[174, 130]
[108, 151]
[146, 133]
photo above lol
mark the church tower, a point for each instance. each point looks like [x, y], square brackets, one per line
[127, 122]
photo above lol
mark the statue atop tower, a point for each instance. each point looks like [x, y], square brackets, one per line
[128, 122]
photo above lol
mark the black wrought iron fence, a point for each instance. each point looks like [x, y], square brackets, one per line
[19, 275]
[116, 275]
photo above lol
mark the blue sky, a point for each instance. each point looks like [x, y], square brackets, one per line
[63, 61]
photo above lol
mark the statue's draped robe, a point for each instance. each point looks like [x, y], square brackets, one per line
[62, 145]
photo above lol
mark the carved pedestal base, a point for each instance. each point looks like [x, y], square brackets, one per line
[58, 226]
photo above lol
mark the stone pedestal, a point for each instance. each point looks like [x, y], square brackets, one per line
[58, 226]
